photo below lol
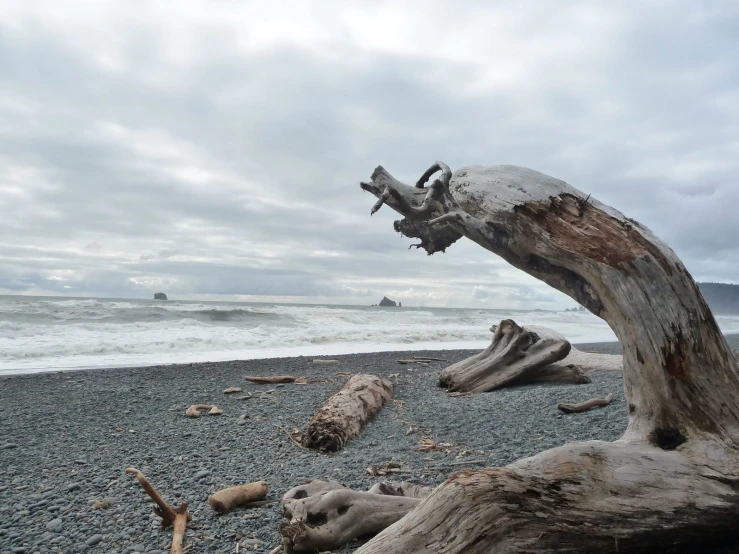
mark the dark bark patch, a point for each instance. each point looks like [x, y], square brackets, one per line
[341, 510]
[676, 363]
[300, 494]
[434, 238]
[639, 357]
[632, 408]
[316, 519]
[667, 438]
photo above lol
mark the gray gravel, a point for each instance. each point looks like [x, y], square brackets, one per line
[66, 437]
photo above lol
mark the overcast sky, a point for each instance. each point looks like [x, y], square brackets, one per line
[214, 149]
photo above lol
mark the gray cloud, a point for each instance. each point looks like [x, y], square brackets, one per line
[218, 151]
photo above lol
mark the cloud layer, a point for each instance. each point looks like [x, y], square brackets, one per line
[215, 148]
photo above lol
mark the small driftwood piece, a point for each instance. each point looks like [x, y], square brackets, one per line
[422, 360]
[346, 412]
[231, 390]
[194, 410]
[585, 406]
[177, 518]
[271, 379]
[227, 499]
[325, 362]
[325, 515]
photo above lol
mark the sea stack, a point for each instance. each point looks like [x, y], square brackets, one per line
[160, 296]
[387, 302]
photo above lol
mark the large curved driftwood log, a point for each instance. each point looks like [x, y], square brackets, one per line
[672, 480]
[346, 412]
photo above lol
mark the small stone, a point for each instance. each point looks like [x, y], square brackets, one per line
[73, 486]
[202, 473]
[8, 446]
[55, 525]
[94, 540]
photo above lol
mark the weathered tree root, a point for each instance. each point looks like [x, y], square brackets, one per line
[271, 379]
[177, 518]
[515, 356]
[585, 406]
[346, 412]
[325, 515]
[227, 499]
[671, 483]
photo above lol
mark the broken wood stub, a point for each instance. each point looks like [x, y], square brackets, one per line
[345, 413]
[227, 499]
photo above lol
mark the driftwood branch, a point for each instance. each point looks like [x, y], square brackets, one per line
[346, 412]
[177, 518]
[271, 379]
[585, 406]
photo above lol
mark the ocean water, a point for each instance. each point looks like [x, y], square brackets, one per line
[48, 334]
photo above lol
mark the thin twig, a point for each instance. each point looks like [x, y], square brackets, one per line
[291, 437]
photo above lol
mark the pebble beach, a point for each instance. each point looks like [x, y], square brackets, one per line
[66, 438]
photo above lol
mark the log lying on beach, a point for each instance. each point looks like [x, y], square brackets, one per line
[176, 518]
[585, 406]
[671, 483]
[515, 356]
[271, 379]
[325, 515]
[227, 499]
[346, 412]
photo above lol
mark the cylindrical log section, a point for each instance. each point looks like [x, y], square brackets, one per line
[346, 412]
[228, 499]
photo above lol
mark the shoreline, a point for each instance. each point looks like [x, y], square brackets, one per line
[609, 347]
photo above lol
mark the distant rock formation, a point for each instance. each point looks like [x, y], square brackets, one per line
[160, 296]
[387, 302]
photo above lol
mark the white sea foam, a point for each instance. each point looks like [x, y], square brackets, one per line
[48, 334]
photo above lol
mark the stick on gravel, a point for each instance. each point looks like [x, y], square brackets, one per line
[585, 406]
[177, 518]
[271, 379]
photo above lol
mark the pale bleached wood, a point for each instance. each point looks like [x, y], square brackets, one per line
[325, 515]
[514, 357]
[346, 412]
[585, 406]
[670, 483]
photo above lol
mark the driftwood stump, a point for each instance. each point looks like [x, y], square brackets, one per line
[346, 412]
[671, 483]
[514, 357]
[524, 355]
[325, 515]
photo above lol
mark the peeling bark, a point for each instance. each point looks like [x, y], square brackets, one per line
[346, 412]
[672, 480]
